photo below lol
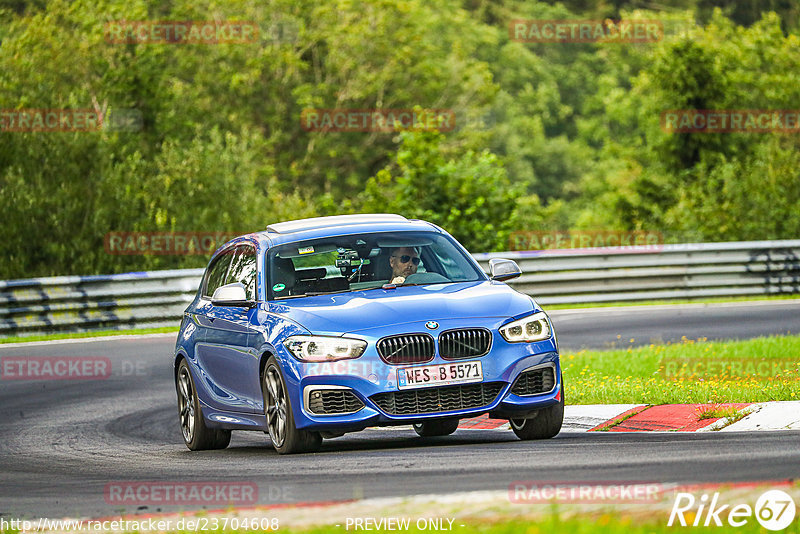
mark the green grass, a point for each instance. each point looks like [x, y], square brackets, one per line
[717, 300]
[622, 419]
[608, 522]
[553, 523]
[637, 375]
[81, 335]
[498, 516]
[721, 413]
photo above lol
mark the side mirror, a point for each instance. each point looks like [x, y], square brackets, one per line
[231, 295]
[504, 269]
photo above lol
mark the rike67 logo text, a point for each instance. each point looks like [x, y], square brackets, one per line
[774, 510]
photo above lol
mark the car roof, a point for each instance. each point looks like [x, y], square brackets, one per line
[300, 225]
[299, 230]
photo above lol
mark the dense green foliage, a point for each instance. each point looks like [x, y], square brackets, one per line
[547, 136]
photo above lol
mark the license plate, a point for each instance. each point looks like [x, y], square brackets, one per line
[439, 375]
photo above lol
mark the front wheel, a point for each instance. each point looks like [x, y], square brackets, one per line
[440, 427]
[545, 424]
[285, 437]
[196, 434]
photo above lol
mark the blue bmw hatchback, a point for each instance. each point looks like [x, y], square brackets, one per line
[323, 326]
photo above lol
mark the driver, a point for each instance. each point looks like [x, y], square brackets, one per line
[404, 262]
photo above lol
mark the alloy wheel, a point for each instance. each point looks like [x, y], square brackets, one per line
[276, 406]
[186, 404]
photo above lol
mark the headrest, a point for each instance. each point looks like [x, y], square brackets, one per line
[381, 267]
[283, 272]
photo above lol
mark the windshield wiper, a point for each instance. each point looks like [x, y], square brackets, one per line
[317, 293]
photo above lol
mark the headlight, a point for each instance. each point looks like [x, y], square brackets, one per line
[324, 348]
[535, 327]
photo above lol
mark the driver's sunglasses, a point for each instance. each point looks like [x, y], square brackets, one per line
[406, 259]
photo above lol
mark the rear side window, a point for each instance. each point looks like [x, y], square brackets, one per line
[217, 272]
[243, 270]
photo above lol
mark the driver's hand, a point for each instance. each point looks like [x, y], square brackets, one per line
[399, 280]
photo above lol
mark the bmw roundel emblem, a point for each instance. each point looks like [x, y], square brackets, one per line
[431, 325]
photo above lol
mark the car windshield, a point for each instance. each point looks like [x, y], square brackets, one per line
[366, 261]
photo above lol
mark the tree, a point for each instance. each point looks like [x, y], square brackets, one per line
[469, 196]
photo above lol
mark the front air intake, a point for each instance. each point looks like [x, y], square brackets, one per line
[333, 401]
[438, 399]
[535, 381]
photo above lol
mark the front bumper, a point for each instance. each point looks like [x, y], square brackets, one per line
[371, 384]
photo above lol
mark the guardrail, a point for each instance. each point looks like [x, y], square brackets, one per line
[104, 302]
[657, 272]
[576, 276]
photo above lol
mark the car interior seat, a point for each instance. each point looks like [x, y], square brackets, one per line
[381, 268]
[283, 272]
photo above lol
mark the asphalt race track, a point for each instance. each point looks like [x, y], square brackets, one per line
[600, 328]
[63, 441]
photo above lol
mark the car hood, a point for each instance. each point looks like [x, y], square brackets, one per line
[362, 310]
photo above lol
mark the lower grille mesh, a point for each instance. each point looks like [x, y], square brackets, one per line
[534, 382]
[438, 399]
[333, 401]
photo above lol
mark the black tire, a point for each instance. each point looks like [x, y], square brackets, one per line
[283, 433]
[545, 424]
[438, 427]
[196, 434]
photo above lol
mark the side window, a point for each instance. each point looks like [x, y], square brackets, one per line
[215, 275]
[243, 269]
